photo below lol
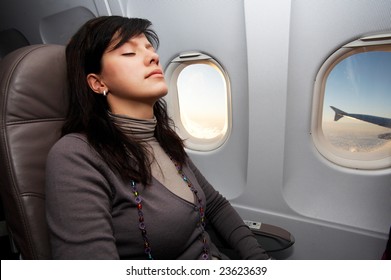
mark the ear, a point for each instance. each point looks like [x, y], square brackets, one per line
[96, 84]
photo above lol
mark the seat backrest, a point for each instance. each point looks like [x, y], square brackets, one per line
[33, 106]
[10, 40]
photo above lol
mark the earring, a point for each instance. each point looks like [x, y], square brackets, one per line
[104, 93]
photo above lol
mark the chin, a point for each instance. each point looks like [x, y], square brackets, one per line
[162, 91]
[158, 95]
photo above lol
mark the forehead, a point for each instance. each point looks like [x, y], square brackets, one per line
[133, 42]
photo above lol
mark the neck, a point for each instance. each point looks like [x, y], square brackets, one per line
[132, 109]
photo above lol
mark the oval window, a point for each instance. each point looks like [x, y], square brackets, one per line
[199, 101]
[352, 109]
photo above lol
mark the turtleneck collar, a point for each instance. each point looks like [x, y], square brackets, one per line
[143, 129]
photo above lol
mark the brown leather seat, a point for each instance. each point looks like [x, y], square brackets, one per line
[10, 40]
[33, 105]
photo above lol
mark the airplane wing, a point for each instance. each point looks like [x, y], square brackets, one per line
[385, 122]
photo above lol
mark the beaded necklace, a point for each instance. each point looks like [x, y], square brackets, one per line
[145, 131]
[141, 225]
[201, 211]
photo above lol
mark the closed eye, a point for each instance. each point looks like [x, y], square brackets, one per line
[129, 54]
[150, 47]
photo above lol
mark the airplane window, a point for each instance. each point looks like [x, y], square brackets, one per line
[199, 101]
[353, 125]
[202, 89]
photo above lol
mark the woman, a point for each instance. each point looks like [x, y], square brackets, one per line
[119, 183]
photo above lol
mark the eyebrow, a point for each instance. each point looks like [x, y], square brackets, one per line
[114, 44]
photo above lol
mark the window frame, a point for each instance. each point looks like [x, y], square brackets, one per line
[172, 73]
[363, 161]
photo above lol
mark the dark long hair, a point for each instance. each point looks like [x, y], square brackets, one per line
[88, 111]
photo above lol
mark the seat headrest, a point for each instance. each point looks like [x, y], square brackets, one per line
[34, 83]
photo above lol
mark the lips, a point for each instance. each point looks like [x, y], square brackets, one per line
[155, 72]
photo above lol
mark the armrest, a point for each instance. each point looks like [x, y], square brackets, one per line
[272, 238]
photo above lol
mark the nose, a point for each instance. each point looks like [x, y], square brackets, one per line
[153, 58]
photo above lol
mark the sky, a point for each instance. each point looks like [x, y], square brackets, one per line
[359, 84]
[202, 92]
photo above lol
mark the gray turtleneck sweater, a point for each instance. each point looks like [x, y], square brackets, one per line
[91, 212]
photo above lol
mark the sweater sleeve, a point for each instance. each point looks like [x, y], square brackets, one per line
[227, 221]
[78, 202]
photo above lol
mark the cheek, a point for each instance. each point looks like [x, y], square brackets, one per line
[118, 75]
[111, 69]
[113, 66]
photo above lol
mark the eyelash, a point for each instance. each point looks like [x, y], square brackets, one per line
[133, 53]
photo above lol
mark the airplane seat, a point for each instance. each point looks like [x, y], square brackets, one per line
[33, 107]
[10, 40]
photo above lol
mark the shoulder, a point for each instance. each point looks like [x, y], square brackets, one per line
[71, 142]
[70, 147]
[73, 154]
[72, 138]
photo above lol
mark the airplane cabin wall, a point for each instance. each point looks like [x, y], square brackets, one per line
[269, 167]
[335, 212]
[315, 187]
